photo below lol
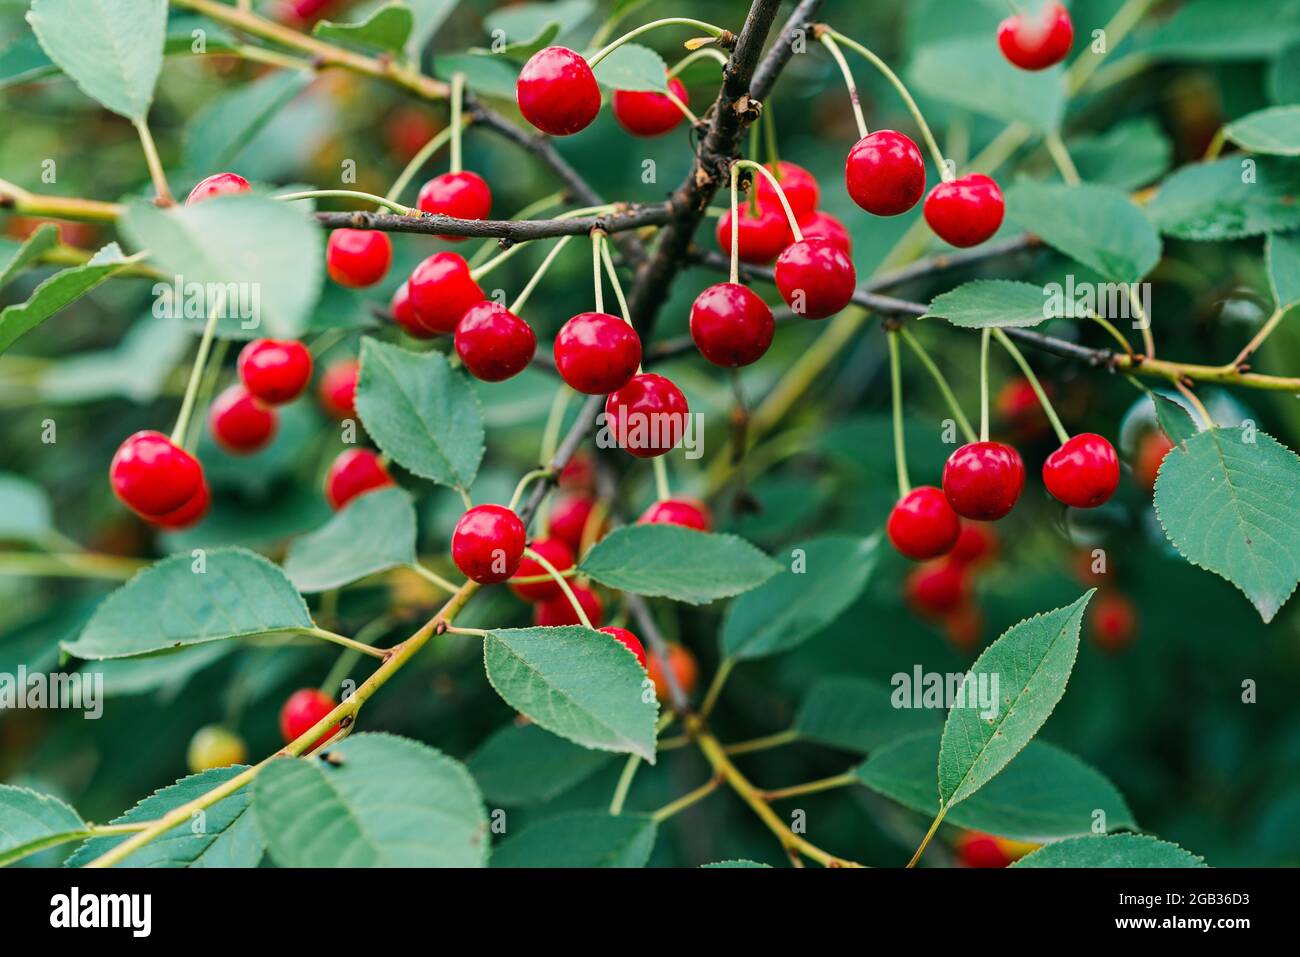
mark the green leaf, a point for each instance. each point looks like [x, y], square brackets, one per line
[857, 714]
[1282, 253]
[1127, 156]
[374, 533]
[22, 60]
[1031, 663]
[388, 28]
[1284, 76]
[421, 412]
[380, 801]
[1111, 850]
[685, 565]
[633, 67]
[227, 836]
[1229, 500]
[31, 822]
[64, 287]
[1043, 794]
[999, 303]
[521, 30]
[216, 134]
[522, 764]
[24, 510]
[580, 839]
[738, 863]
[822, 578]
[1174, 420]
[428, 17]
[237, 594]
[1216, 30]
[44, 238]
[112, 49]
[577, 683]
[1096, 225]
[136, 367]
[1275, 130]
[489, 75]
[266, 256]
[970, 72]
[1229, 199]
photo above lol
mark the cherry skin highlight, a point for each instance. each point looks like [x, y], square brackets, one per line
[1082, 473]
[560, 611]
[688, 513]
[358, 257]
[597, 353]
[557, 91]
[923, 525]
[556, 552]
[152, 475]
[302, 711]
[239, 423]
[442, 291]
[983, 480]
[275, 371]
[628, 640]
[647, 113]
[884, 173]
[966, 211]
[462, 195]
[353, 473]
[493, 342]
[488, 544]
[218, 184]
[1037, 42]
[647, 416]
[816, 278]
[731, 325]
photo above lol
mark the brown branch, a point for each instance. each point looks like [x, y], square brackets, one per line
[798, 26]
[515, 231]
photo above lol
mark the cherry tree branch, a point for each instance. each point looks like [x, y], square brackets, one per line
[634, 217]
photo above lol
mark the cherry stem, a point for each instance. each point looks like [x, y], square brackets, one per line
[715, 688]
[896, 395]
[624, 784]
[780, 193]
[564, 586]
[1196, 402]
[984, 385]
[538, 579]
[196, 372]
[436, 142]
[151, 159]
[692, 57]
[828, 41]
[940, 381]
[687, 799]
[536, 278]
[912, 108]
[524, 482]
[1114, 333]
[661, 478]
[769, 140]
[1061, 157]
[596, 269]
[608, 260]
[347, 194]
[457, 105]
[813, 787]
[735, 231]
[686, 110]
[763, 743]
[1043, 400]
[925, 841]
[431, 576]
[343, 640]
[209, 384]
[1260, 337]
[484, 251]
[609, 48]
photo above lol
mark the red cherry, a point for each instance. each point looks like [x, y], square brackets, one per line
[303, 711]
[239, 423]
[1151, 451]
[559, 611]
[557, 92]
[800, 188]
[578, 473]
[936, 589]
[1035, 43]
[976, 545]
[923, 525]
[442, 290]
[488, 543]
[188, 514]
[964, 626]
[554, 551]
[822, 225]
[407, 130]
[688, 513]
[1017, 404]
[353, 473]
[762, 235]
[569, 519]
[464, 195]
[966, 211]
[597, 353]
[275, 371]
[358, 257]
[403, 311]
[647, 417]
[628, 640]
[493, 342]
[1112, 620]
[1084, 472]
[983, 480]
[683, 666]
[884, 173]
[975, 849]
[816, 278]
[338, 389]
[647, 113]
[152, 475]
[218, 184]
[731, 325]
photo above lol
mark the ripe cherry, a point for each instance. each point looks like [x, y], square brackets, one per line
[731, 325]
[154, 476]
[1037, 42]
[976, 849]
[404, 315]
[488, 543]
[983, 480]
[275, 371]
[597, 353]
[1084, 472]
[442, 290]
[684, 668]
[628, 640]
[688, 513]
[302, 712]
[493, 342]
[966, 211]
[215, 747]
[923, 525]
[964, 626]
[218, 184]
[554, 551]
[406, 131]
[800, 188]
[884, 173]
[1112, 621]
[557, 91]
[822, 225]
[578, 474]
[240, 423]
[977, 544]
[464, 195]
[358, 257]
[936, 589]
[353, 473]
[188, 514]
[816, 278]
[338, 389]
[762, 235]
[1017, 404]
[569, 518]
[1151, 451]
[560, 611]
[647, 113]
[647, 416]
